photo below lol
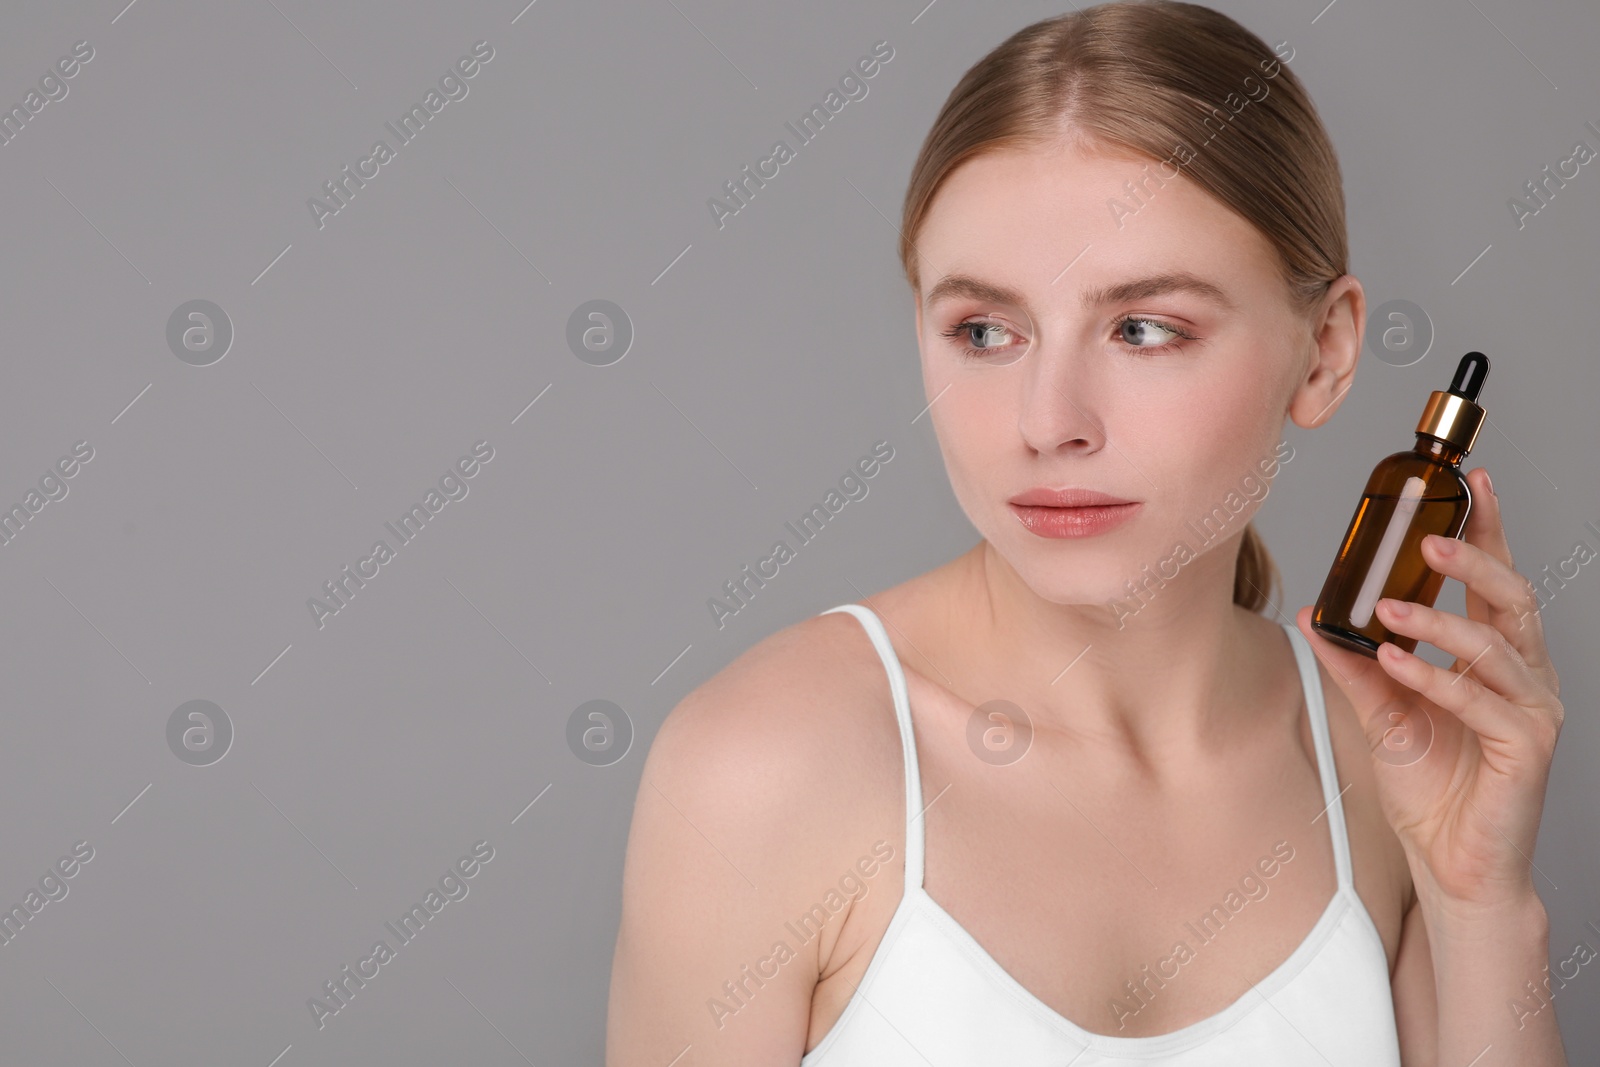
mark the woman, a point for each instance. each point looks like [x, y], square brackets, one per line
[1105, 810]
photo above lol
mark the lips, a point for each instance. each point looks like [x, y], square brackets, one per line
[1070, 497]
[1070, 512]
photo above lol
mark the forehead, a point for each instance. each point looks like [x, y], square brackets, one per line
[1019, 217]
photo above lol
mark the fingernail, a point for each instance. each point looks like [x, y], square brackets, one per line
[1490, 484]
[1398, 608]
[1445, 546]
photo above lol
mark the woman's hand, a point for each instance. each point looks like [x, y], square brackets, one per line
[1461, 756]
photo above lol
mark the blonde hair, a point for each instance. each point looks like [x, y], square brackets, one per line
[1162, 80]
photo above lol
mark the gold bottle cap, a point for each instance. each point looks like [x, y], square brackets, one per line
[1451, 415]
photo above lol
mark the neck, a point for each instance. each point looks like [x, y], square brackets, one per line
[1181, 677]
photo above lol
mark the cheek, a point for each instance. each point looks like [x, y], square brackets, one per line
[970, 423]
[1216, 451]
[975, 424]
[1243, 419]
[1196, 438]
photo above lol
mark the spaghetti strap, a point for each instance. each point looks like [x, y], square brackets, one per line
[1333, 806]
[1316, 709]
[908, 744]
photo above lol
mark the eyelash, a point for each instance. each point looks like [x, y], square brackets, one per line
[966, 325]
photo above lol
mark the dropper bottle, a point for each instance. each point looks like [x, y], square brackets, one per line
[1409, 495]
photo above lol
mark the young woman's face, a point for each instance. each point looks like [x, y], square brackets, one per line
[1147, 353]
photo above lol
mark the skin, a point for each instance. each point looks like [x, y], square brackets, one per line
[775, 779]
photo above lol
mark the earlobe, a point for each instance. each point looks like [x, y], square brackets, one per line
[1324, 388]
[1313, 406]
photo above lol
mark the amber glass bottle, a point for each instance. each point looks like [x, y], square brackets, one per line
[1409, 495]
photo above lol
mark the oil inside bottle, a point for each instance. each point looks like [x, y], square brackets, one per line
[1371, 565]
[1409, 495]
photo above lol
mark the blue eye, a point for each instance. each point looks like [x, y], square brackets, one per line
[1140, 331]
[985, 340]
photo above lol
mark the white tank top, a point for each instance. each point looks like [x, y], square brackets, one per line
[932, 995]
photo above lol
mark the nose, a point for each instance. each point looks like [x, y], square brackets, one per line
[1060, 407]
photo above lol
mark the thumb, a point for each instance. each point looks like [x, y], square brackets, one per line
[1395, 719]
[1362, 680]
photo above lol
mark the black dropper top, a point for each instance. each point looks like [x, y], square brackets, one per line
[1453, 416]
[1473, 365]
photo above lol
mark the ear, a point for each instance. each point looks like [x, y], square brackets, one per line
[1337, 333]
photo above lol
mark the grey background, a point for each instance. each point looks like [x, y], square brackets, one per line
[370, 754]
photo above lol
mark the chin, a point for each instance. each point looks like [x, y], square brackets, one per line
[1091, 571]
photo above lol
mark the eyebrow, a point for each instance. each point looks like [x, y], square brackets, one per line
[959, 285]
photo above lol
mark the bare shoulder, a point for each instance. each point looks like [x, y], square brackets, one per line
[795, 740]
[796, 718]
[761, 785]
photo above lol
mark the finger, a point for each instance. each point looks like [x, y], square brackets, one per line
[1482, 562]
[1496, 594]
[1390, 725]
[1484, 526]
[1499, 588]
[1359, 678]
[1487, 653]
[1479, 708]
